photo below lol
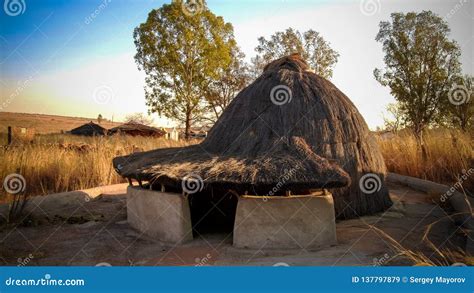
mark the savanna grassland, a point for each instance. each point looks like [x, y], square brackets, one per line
[449, 155]
[62, 162]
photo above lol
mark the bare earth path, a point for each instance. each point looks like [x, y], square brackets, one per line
[95, 232]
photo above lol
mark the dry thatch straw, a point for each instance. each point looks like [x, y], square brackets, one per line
[89, 129]
[291, 123]
[137, 129]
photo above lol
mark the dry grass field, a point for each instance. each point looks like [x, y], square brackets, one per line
[450, 154]
[62, 162]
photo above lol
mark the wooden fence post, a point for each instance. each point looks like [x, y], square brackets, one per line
[9, 135]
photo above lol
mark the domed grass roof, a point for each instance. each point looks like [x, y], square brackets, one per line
[89, 129]
[290, 128]
[251, 149]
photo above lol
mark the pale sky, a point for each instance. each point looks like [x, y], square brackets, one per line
[56, 62]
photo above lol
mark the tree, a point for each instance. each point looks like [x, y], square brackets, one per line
[421, 63]
[231, 81]
[396, 121]
[182, 53]
[138, 118]
[461, 107]
[99, 118]
[310, 45]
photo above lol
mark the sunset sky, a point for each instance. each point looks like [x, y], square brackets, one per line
[59, 57]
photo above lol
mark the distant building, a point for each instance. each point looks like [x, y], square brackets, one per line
[136, 129]
[171, 133]
[195, 132]
[89, 129]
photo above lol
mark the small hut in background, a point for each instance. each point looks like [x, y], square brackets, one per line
[89, 129]
[199, 132]
[171, 133]
[136, 129]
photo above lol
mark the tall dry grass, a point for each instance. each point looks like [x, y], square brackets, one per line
[57, 163]
[450, 154]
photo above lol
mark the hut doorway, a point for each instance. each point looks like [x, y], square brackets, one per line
[212, 213]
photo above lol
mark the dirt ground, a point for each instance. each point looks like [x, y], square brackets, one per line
[95, 232]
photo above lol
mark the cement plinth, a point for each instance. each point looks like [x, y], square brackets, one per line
[285, 222]
[161, 215]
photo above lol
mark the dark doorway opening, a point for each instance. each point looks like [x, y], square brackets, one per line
[212, 212]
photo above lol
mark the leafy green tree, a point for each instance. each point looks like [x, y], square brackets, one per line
[310, 45]
[230, 82]
[421, 64]
[395, 122]
[461, 107]
[182, 53]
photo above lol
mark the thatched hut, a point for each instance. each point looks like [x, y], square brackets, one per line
[89, 129]
[137, 129]
[288, 119]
